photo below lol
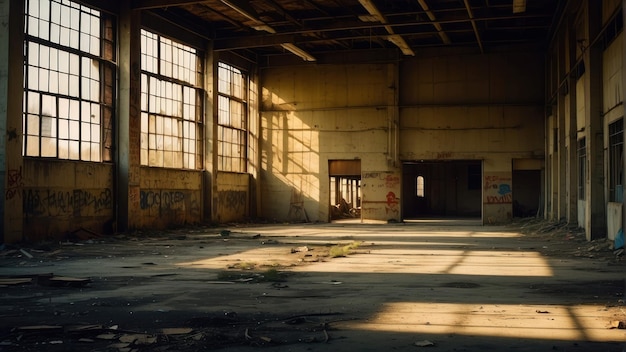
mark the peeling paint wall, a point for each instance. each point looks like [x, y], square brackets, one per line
[169, 197]
[63, 196]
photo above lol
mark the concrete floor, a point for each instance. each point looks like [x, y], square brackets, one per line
[531, 286]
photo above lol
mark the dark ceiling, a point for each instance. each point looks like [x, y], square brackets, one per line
[315, 28]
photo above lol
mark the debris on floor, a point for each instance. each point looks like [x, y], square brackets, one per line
[50, 280]
[424, 343]
[214, 330]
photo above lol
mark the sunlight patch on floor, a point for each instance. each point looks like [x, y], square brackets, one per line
[434, 261]
[503, 320]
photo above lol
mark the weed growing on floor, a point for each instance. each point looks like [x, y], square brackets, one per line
[342, 250]
[243, 266]
[269, 275]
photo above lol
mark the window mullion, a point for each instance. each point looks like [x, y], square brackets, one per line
[40, 113]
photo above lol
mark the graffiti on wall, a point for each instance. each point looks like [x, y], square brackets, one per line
[381, 180]
[77, 202]
[233, 201]
[170, 203]
[380, 191]
[163, 200]
[14, 183]
[392, 203]
[497, 189]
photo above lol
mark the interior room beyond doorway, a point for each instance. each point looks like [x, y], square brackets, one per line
[441, 189]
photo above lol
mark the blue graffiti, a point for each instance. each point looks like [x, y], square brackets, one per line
[504, 188]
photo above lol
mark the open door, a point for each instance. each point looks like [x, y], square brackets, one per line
[345, 189]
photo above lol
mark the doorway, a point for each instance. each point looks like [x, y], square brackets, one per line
[442, 189]
[527, 183]
[345, 189]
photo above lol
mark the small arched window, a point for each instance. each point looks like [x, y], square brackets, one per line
[420, 186]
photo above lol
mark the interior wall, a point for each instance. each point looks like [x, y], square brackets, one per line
[473, 106]
[169, 197]
[613, 80]
[314, 113]
[589, 54]
[453, 105]
[61, 197]
[232, 201]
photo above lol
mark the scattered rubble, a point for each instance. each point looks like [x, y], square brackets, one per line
[51, 331]
[202, 332]
[424, 343]
[44, 280]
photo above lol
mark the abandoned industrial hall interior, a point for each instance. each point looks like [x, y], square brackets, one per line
[154, 114]
[364, 119]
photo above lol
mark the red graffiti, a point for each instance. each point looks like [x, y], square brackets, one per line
[392, 203]
[504, 199]
[391, 181]
[14, 183]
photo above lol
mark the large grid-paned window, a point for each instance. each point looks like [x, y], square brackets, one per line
[171, 103]
[69, 81]
[582, 167]
[232, 121]
[616, 160]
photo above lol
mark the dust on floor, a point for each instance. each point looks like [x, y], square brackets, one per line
[528, 286]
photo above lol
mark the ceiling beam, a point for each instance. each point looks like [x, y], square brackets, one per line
[444, 37]
[519, 6]
[156, 4]
[282, 12]
[263, 40]
[343, 32]
[244, 9]
[396, 39]
[471, 17]
[256, 41]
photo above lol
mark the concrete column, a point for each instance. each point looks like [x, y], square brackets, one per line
[393, 115]
[561, 157]
[11, 95]
[624, 103]
[255, 142]
[595, 219]
[547, 204]
[572, 133]
[129, 119]
[553, 156]
[572, 157]
[210, 136]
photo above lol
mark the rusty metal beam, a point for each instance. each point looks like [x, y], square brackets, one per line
[471, 17]
[444, 37]
[156, 4]
[396, 39]
[245, 10]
